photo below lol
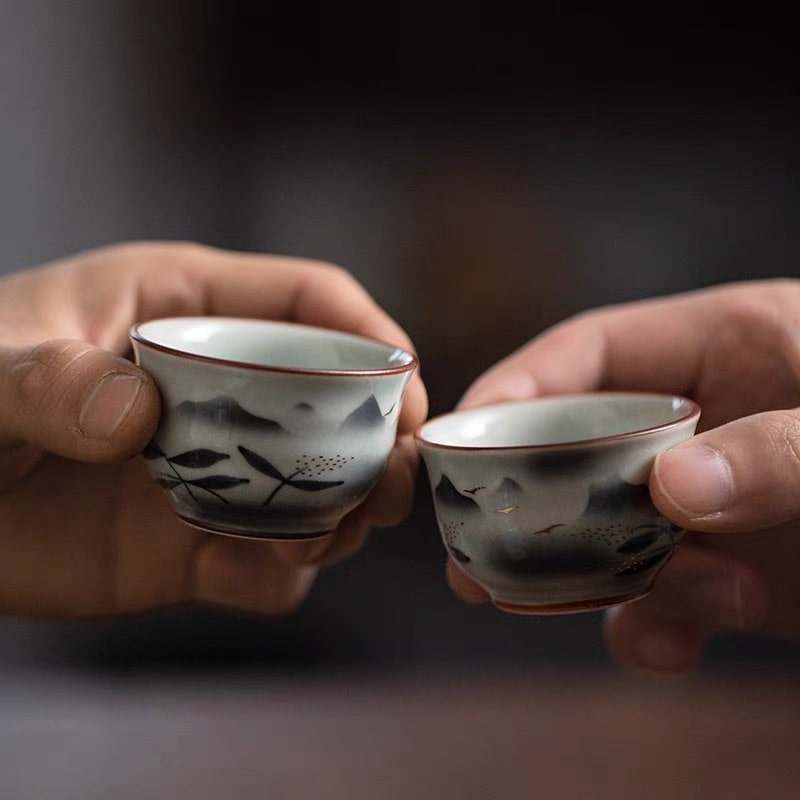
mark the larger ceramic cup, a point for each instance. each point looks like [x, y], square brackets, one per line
[545, 503]
[269, 429]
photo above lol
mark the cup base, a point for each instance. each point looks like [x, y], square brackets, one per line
[574, 607]
[221, 529]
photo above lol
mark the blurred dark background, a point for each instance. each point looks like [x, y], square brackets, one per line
[484, 173]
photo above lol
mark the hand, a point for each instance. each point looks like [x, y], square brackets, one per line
[83, 529]
[736, 350]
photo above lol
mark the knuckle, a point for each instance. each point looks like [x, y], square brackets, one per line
[591, 318]
[186, 250]
[145, 255]
[765, 308]
[48, 371]
[778, 288]
[585, 325]
[158, 250]
[337, 275]
[748, 310]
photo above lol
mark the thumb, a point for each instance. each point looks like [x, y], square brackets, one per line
[738, 477]
[76, 400]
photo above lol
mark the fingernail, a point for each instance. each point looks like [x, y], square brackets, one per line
[107, 404]
[696, 479]
[663, 652]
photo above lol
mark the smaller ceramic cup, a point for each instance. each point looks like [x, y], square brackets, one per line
[545, 503]
[270, 430]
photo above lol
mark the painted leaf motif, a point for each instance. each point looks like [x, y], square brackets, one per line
[314, 486]
[459, 555]
[641, 542]
[167, 483]
[643, 565]
[260, 463]
[152, 452]
[198, 459]
[217, 482]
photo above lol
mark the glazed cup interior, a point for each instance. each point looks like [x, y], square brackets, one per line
[271, 345]
[557, 420]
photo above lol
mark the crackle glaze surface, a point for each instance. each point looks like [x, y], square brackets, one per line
[545, 502]
[269, 430]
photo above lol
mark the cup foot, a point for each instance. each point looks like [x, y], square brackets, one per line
[574, 607]
[241, 532]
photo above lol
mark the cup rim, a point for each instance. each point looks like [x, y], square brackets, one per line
[137, 336]
[693, 413]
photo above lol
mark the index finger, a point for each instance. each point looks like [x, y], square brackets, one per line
[311, 292]
[141, 281]
[648, 345]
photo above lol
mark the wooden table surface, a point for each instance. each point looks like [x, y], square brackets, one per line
[568, 735]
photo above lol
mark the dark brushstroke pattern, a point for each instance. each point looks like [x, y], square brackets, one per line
[225, 411]
[459, 555]
[202, 458]
[198, 459]
[569, 559]
[450, 498]
[217, 482]
[621, 497]
[568, 463]
[652, 560]
[153, 451]
[367, 415]
[640, 542]
[265, 467]
[212, 484]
